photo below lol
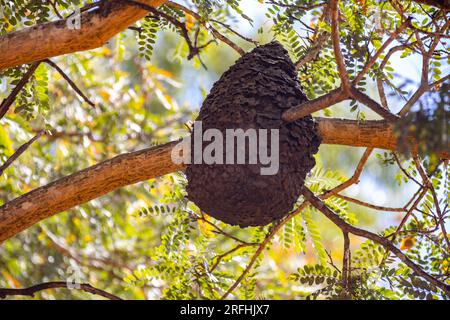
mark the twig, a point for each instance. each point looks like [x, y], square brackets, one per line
[345, 227]
[234, 31]
[223, 255]
[424, 85]
[218, 230]
[345, 84]
[369, 205]
[215, 33]
[313, 51]
[372, 104]
[294, 6]
[69, 81]
[6, 104]
[346, 272]
[55, 9]
[19, 151]
[429, 184]
[406, 173]
[30, 291]
[354, 179]
[193, 51]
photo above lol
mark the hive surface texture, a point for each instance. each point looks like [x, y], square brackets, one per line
[253, 93]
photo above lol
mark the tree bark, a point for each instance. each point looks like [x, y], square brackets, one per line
[129, 168]
[55, 38]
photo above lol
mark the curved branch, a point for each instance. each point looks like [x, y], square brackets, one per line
[30, 291]
[55, 38]
[345, 83]
[6, 104]
[441, 4]
[19, 151]
[345, 227]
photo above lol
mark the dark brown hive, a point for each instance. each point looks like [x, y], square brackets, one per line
[254, 93]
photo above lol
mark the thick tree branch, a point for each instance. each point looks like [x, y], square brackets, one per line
[93, 182]
[333, 97]
[372, 104]
[345, 84]
[55, 38]
[84, 186]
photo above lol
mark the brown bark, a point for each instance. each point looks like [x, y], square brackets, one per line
[93, 182]
[441, 4]
[55, 38]
[372, 133]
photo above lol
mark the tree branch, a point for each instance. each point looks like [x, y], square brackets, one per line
[6, 104]
[345, 227]
[370, 205]
[308, 107]
[129, 168]
[69, 81]
[208, 26]
[19, 151]
[55, 38]
[30, 291]
[346, 268]
[314, 50]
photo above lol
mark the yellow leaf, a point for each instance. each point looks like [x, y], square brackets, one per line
[189, 21]
[407, 243]
[445, 265]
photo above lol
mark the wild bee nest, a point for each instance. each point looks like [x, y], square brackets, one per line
[253, 94]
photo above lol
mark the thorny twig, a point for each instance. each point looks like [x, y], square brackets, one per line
[31, 291]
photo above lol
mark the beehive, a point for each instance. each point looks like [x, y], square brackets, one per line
[254, 93]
